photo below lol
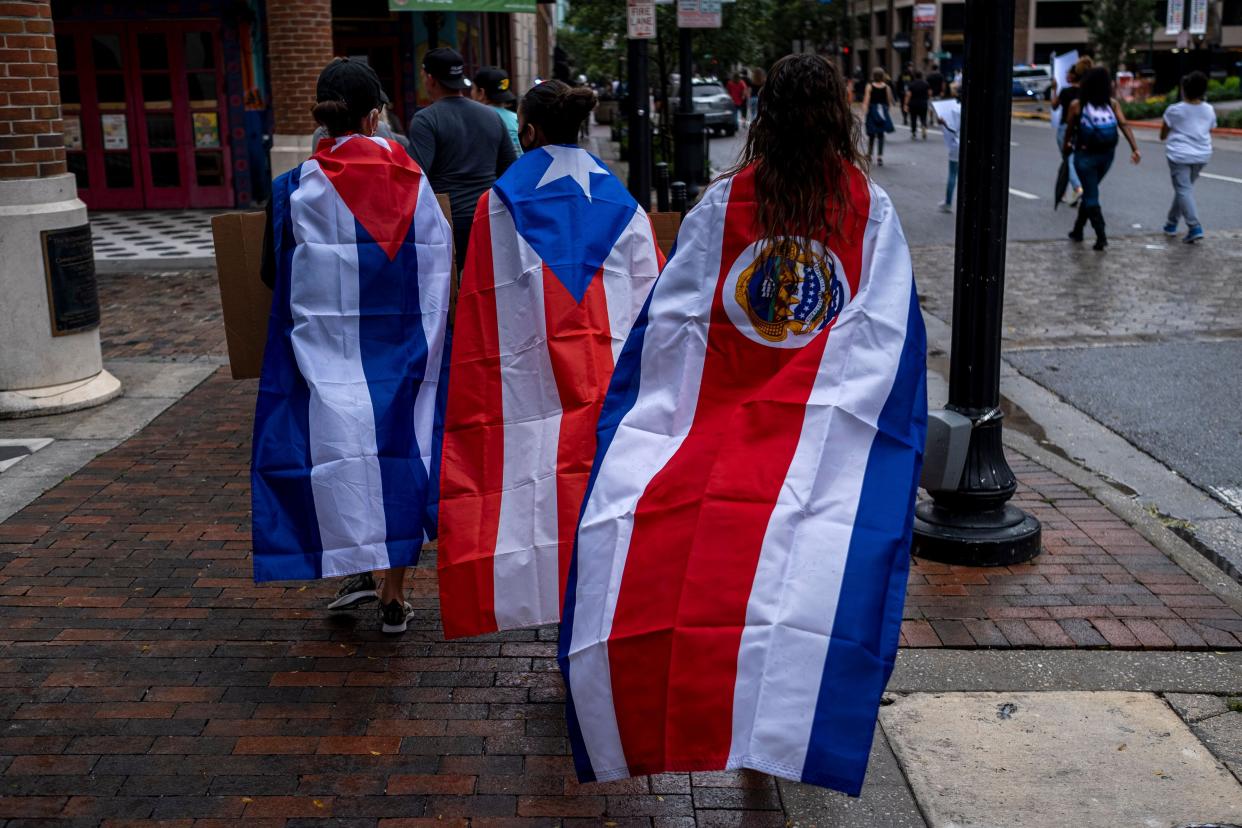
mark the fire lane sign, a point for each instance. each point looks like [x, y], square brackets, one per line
[640, 19]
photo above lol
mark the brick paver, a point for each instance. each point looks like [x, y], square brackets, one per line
[173, 315]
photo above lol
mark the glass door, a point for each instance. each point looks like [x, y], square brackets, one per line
[183, 128]
[98, 109]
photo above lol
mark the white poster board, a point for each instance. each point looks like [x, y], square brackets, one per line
[640, 19]
[1061, 65]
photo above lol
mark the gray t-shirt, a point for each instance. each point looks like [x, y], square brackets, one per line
[463, 147]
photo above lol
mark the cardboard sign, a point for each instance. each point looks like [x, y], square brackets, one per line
[1061, 64]
[666, 226]
[245, 300]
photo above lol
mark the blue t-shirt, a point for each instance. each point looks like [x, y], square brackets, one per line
[510, 120]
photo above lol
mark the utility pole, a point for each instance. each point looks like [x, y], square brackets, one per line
[640, 123]
[974, 524]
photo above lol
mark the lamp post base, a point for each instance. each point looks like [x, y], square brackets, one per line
[997, 537]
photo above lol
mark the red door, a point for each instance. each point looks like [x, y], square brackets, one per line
[150, 107]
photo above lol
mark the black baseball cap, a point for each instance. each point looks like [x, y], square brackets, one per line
[495, 83]
[447, 67]
[353, 82]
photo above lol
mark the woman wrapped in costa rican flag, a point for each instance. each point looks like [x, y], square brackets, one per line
[560, 260]
[345, 440]
[737, 584]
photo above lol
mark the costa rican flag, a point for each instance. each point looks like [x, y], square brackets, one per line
[346, 425]
[737, 585]
[560, 261]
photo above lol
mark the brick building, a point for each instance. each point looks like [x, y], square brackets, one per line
[196, 103]
[885, 35]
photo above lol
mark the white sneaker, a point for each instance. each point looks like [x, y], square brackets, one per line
[946, 207]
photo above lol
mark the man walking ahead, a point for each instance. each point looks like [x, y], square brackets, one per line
[460, 143]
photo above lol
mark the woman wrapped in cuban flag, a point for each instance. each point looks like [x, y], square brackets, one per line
[346, 426]
[735, 593]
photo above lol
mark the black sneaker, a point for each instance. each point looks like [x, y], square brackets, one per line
[357, 590]
[394, 615]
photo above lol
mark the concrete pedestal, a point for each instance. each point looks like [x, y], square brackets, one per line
[288, 151]
[41, 373]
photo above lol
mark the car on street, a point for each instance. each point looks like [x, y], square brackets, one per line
[714, 102]
[1032, 80]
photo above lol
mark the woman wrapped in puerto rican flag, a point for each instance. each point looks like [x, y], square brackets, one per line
[560, 261]
[346, 432]
[736, 589]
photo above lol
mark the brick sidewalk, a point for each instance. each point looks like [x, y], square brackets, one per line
[149, 679]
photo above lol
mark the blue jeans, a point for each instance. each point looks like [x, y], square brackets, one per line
[1184, 176]
[1092, 167]
[1073, 173]
[948, 190]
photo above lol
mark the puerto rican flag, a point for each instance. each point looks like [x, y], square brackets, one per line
[737, 584]
[346, 425]
[561, 258]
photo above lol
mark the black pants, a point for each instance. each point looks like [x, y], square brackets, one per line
[918, 113]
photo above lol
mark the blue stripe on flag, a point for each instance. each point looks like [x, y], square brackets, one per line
[868, 619]
[393, 347]
[622, 394]
[286, 538]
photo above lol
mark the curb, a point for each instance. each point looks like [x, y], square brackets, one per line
[155, 265]
[1191, 560]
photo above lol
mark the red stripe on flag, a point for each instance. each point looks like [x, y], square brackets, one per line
[580, 348]
[699, 528]
[472, 466]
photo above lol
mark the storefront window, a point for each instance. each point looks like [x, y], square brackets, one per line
[202, 87]
[161, 130]
[118, 170]
[209, 168]
[200, 51]
[152, 51]
[157, 91]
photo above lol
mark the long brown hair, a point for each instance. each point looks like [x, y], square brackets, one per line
[802, 142]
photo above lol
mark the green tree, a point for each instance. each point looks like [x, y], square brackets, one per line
[1116, 26]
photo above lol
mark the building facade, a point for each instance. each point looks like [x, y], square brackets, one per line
[198, 103]
[885, 35]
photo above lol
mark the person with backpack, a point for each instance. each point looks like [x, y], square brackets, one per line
[1187, 133]
[1094, 121]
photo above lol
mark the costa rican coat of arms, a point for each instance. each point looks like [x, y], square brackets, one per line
[787, 292]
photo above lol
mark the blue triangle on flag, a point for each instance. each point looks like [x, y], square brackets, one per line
[572, 234]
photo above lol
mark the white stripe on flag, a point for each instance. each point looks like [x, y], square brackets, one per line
[324, 303]
[793, 600]
[434, 245]
[671, 367]
[628, 272]
[526, 563]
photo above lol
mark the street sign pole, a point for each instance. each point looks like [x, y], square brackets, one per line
[640, 28]
[974, 524]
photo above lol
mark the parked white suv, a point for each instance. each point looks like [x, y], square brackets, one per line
[1034, 79]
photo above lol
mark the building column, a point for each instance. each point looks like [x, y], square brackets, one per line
[1023, 26]
[49, 331]
[299, 45]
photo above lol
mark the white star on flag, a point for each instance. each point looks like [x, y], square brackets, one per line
[571, 162]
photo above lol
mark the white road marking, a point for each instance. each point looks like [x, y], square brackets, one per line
[1231, 496]
[1022, 194]
[1228, 178]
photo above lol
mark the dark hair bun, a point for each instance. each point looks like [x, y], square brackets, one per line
[333, 116]
[578, 102]
[558, 109]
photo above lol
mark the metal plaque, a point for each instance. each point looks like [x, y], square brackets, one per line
[69, 267]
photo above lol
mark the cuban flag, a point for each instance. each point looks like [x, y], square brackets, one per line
[737, 585]
[343, 473]
[560, 261]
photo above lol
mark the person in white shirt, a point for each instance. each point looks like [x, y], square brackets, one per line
[950, 115]
[1187, 133]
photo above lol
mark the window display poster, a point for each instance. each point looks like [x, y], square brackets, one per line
[206, 130]
[73, 132]
[115, 132]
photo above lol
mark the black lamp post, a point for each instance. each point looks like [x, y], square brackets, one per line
[639, 123]
[688, 126]
[974, 523]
